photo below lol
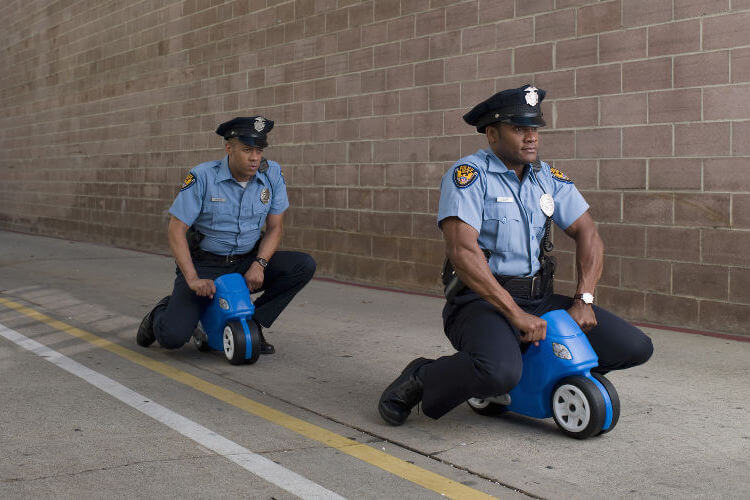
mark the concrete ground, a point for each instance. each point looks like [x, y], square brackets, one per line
[684, 429]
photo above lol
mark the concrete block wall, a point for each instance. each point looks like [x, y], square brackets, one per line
[107, 104]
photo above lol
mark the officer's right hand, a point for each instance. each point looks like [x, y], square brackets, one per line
[203, 288]
[533, 328]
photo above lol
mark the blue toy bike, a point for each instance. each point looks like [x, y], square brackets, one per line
[557, 382]
[227, 323]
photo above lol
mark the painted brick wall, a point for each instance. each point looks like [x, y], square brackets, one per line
[105, 105]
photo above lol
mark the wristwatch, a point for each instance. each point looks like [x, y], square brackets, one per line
[263, 262]
[587, 298]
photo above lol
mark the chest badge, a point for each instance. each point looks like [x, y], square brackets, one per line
[265, 195]
[464, 176]
[547, 204]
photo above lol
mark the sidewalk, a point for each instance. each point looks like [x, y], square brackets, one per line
[684, 429]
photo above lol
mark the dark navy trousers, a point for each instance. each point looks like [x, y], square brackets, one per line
[488, 361]
[287, 273]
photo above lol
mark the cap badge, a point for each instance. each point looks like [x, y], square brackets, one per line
[464, 176]
[547, 204]
[259, 124]
[532, 98]
[265, 195]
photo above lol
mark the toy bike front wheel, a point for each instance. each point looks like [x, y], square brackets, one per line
[235, 342]
[613, 397]
[578, 407]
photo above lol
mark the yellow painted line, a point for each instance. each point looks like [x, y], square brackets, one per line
[372, 456]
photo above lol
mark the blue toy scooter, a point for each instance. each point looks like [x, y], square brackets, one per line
[227, 325]
[557, 382]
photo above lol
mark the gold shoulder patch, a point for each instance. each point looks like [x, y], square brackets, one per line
[464, 176]
[189, 181]
[558, 174]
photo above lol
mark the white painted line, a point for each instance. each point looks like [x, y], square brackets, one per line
[257, 464]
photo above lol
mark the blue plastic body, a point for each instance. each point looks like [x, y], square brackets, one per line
[231, 302]
[542, 369]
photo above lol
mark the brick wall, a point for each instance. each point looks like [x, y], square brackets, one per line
[107, 104]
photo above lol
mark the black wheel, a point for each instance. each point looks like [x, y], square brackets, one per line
[200, 340]
[234, 342]
[486, 407]
[252, 327]
[578, 407]
[613, 396]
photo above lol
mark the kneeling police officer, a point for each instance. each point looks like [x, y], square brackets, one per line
[495, 210]
[215, 229]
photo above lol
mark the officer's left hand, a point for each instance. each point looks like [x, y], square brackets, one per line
[254, 277]
[583, 314]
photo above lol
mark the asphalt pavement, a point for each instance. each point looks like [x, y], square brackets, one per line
[86, 413]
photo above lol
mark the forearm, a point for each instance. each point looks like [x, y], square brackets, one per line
[180, 250]
[471, 266]
[589, 261]
[270, 242]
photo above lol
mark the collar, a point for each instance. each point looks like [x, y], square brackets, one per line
[494, 164]
[224, 174]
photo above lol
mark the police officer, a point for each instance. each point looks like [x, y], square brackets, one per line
[495, 209]
[225, 203]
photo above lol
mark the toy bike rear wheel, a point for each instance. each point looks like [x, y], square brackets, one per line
[486, 407]
[613, 397]
[200, 339]
[578, 407]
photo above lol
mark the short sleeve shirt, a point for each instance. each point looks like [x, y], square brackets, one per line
[229, 215]
[481, 191]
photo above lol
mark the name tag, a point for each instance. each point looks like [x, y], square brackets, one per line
[505, 199]
[218, 199]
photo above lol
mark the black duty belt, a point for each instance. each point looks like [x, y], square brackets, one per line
[204, 256]
[527, 287]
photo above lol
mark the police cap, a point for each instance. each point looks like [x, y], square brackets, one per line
[521, 106]
[249, 130]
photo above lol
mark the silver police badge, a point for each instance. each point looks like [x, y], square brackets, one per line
[532, 98]
[265, 195]
[547, 204]
[259, 124]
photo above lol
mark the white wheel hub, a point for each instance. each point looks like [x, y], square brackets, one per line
[478, 403]
[228, 342]
[571, 408]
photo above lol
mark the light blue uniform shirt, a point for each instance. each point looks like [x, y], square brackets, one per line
[481, 191]
[230, 216]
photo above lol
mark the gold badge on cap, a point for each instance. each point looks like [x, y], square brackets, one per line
[260, 124]
[532, 98]
[265, 195]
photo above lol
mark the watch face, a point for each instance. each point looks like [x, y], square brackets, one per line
[587, 298]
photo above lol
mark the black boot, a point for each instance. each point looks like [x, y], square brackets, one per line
[265, 347]
[403, 394]
[146, 335]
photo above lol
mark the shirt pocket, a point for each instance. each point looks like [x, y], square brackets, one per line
[502, 221]
[223, 217]
[538, 220]
[250, 219]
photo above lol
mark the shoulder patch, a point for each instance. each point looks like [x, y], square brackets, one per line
[464, 176]
[189, 181]
[558, 175]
